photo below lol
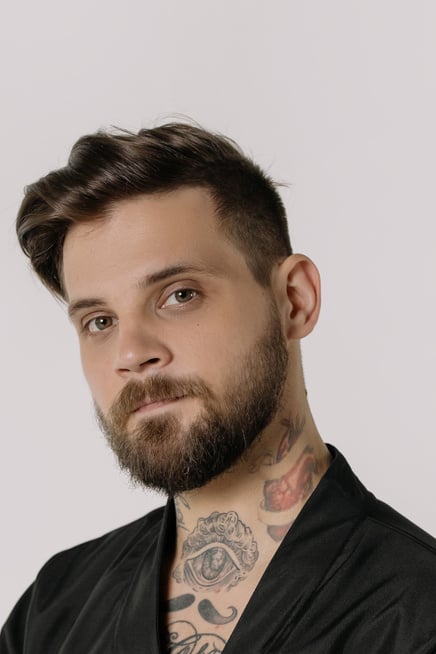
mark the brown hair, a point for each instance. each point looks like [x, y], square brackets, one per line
[106, 167]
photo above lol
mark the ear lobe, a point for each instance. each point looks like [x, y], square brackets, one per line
[302, 295]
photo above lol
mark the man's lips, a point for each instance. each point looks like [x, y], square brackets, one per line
[149, 403]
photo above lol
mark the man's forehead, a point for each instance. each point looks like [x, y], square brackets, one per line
[175, 211]
[146, 235]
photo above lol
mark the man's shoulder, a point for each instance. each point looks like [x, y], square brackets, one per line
[399, 545]
[391, 523]
[96, 574]
[381, 543]
[112, 547]
[378, 524]
[376, 591]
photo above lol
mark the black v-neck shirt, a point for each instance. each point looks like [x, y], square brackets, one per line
[351, 576]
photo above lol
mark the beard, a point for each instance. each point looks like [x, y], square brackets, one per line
[163, 455]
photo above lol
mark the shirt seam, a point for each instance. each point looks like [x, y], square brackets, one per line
[402, 532]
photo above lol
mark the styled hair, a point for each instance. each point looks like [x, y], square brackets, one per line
[107, 167]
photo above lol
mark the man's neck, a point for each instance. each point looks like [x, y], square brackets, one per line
[229, 530]
[268, 488]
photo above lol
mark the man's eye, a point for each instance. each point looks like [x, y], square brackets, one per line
[98, 324]
[182, 296]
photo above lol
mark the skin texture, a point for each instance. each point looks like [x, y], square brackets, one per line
[155, 290]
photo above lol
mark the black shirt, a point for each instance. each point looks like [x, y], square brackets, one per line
[351, 576]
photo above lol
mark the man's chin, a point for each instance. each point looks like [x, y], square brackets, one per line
[159, 454]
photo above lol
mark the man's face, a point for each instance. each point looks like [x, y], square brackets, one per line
[182, 349]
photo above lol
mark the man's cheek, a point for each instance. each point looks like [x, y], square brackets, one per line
[102, 391]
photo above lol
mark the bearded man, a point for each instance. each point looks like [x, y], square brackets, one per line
[171, 250]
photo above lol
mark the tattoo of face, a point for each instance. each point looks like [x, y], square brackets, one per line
[179, 501]
[218, 553]
[183, 638]
[286, 486]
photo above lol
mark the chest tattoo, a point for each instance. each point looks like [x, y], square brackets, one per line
[183, 638]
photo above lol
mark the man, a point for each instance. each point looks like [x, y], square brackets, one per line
[171, 251]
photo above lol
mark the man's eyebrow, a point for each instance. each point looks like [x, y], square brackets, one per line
[148, 280]
[171, 271]
[86, 303]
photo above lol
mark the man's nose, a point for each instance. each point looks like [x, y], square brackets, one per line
[139, 349]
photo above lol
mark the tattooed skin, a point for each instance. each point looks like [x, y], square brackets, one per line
[178, 603]
[209, 613]
[205, 608]
[183, 638]
[180, 501]
[290, 437]
[286, 486]
[218, 553]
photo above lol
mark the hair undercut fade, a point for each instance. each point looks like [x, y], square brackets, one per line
[107, 167]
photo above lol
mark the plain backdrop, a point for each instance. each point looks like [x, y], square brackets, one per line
[335, 98]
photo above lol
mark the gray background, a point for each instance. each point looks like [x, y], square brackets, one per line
[336, 98]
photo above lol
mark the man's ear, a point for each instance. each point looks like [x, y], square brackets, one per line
[298, 291]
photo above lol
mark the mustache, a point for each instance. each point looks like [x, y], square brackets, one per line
[154, 389]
